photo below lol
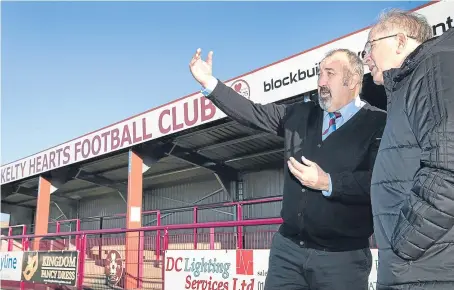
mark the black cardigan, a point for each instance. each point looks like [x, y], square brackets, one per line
[342, 221]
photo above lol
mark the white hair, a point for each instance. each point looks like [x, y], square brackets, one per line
[414, 25]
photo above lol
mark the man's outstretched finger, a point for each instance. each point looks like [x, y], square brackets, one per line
[196, 56]
[210, 58]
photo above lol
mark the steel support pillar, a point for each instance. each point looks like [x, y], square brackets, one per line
[134, 253]
[42, 209]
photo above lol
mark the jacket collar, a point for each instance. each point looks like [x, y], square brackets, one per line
[393, 77]
[396, 75]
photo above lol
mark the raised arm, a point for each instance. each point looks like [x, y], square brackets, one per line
[266, 117]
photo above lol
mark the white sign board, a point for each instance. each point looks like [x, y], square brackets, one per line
[224, 269]
[215, 269]
[284, 79]
[10, 266]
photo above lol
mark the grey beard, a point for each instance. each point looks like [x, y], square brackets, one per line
[324, 103]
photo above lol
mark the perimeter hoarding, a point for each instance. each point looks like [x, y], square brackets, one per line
[225, 269]
[284, 79]
[215, 269]
[52, 267]
[11, 266]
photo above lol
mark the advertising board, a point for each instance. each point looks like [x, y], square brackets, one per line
[10, 266]
[53, 267]
[215, 269]
[225, 269]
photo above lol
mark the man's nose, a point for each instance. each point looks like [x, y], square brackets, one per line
[321, 81]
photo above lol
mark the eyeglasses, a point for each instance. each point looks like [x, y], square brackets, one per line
[368, 46]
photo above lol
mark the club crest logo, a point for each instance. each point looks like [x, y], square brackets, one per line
[242, 87]
[113, 267]
[31, 265]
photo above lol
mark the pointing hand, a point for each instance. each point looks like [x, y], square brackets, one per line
[201, 70]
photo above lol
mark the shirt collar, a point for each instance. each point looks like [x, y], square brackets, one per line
[350, 108]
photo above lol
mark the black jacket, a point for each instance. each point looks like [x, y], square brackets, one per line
[413, 180]
[344, 220]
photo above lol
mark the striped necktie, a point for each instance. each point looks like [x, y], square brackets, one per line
[332, 123]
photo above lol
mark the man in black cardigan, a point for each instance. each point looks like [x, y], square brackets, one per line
[330, 151]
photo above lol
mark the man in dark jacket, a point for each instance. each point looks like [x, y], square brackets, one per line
[413, 181]
[330, 150]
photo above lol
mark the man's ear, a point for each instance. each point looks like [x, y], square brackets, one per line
[354, 80]
[401, 43]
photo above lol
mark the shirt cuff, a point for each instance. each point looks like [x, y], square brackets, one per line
[328, 193]
[212, 83]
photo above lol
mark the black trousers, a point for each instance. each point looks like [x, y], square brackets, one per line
[294, 267]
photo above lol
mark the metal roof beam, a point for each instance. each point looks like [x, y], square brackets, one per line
[150, 154]
[233, 141]
[58, 207]
[27, 191]
[224, 174]
[7, 190]
[167, 173]
[102, 181]
[62, 175]
[58, 178]
[255, 155]
[181, 156]
[203, 131]
[17, 204]
[88, 188]
[110, 169]
[195, 158]
[11, 190]
[34, 193]
[225, 184]
[103, 160]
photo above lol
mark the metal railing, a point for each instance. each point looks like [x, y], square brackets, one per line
[142, 250]
[92, 245]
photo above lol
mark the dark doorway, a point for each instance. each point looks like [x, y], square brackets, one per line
[373, 94]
